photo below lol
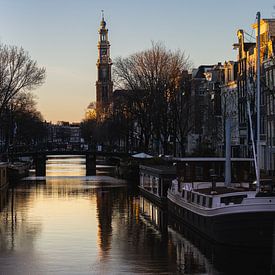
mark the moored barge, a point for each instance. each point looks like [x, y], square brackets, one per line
[155, 181]
[238, 214]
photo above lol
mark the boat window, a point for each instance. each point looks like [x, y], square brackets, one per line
[198, 199]
[188, 195]
[233, 199]
[203, 200]
[209, 202]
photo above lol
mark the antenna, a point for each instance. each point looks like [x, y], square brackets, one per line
[102, 14]
[273, 13]
[258, 97]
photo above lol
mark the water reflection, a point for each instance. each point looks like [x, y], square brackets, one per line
[189, 259]
[104, 203]
[213, 258]
[155, 215]
[16, 233]
[100, 225]
[65, 165]
[3, 198]
[195, 254]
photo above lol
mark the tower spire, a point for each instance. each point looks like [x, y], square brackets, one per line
[104, 84]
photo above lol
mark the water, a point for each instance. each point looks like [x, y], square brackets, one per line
[72, 224]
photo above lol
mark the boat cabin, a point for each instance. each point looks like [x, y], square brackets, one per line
[156, 179]
[202, 194]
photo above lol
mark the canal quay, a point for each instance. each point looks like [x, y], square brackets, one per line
[69, 223]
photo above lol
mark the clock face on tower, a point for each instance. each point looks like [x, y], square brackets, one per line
[103, 51]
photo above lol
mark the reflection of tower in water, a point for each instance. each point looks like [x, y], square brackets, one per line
[104, 214]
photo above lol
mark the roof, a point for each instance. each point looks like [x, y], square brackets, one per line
[159, 169]
[142, 156]
[210, 159]
[199, 73]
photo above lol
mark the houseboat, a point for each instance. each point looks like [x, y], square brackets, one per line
[239, 214]
[155, 181]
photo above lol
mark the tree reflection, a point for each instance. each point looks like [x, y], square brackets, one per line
[16, 232]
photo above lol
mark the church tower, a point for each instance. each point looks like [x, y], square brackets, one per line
[104, 84]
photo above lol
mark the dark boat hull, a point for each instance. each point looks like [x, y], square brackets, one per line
[242, 229]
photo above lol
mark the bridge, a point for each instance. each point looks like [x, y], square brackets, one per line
[40, 158]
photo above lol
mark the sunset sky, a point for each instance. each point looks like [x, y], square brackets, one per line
[62, 36]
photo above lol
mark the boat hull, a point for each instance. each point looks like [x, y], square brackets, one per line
[253, 229]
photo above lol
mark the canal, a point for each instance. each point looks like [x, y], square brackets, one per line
[68, 223]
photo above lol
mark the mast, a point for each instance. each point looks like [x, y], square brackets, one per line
[258, 98]
[228, 151]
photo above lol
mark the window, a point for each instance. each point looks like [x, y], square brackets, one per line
[270, 79]
[188, 195]
[104, 93]
[210, 202]
[198, 199]
[203, 201]
[104, 74]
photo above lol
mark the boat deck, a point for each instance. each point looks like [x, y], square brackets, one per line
[220, 190]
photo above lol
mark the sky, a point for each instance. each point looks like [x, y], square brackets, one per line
[62, 35]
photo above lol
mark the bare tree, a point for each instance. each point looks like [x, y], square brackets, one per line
[151, 77]
[182, 113]
[18, 73]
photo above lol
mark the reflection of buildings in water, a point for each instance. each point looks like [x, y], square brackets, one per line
[196, 252]
[104, 204]
[154, 214]
[190, 260]
[133, 241]
[141, 241]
